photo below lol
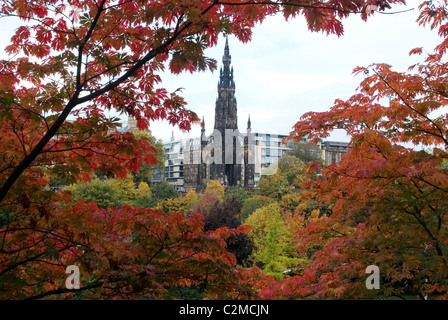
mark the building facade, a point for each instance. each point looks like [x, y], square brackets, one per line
[332, 151]
[269, 148]
[174, 164]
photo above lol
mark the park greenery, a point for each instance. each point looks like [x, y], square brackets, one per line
[269, 244]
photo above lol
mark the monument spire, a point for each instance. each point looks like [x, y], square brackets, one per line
[226, 109]
[227, 152]
[226, 48]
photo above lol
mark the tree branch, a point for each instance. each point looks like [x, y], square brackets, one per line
[63, 290]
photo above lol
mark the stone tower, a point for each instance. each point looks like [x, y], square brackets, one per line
[230, 153]
[225, 109]
[226, 122]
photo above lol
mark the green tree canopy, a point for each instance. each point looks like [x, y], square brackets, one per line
[288, 178]
[182, 204]
[307, 153]
[215, 188]
[236, 191]
[146, 172]
[113, 193]
[274, 244]
[162, 191]
[253, 203]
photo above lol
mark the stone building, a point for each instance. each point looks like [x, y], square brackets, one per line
[332, 151]
[226, 155]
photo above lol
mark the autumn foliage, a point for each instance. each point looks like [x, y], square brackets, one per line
[71, 62]
[388, 192]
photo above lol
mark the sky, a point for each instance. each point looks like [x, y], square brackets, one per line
[286, 70]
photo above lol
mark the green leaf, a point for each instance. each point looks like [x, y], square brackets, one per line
[51, 252]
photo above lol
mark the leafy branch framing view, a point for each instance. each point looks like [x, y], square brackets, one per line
[308, 231]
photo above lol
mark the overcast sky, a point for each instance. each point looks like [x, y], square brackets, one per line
[286, 71]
